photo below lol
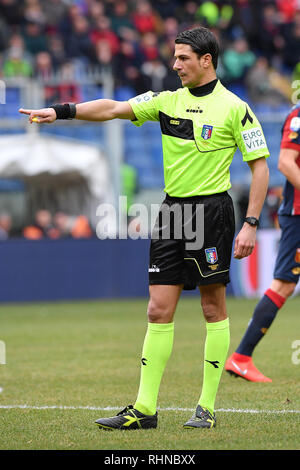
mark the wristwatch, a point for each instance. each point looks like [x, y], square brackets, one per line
[253, 221]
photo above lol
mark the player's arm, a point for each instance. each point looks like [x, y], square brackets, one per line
[259, 186]
[245, 240]
[288, 166]
[97, 110]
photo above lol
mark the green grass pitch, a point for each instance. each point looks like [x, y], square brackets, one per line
[85, 355]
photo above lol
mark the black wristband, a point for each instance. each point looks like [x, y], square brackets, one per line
[65, 111]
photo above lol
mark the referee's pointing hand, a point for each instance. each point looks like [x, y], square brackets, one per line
[45, 115]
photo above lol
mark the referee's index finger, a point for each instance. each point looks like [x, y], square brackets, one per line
[25, 111]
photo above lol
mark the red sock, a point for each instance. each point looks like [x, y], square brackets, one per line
[276, 298]
[263, 316]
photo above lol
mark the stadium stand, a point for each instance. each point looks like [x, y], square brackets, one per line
[132, 42]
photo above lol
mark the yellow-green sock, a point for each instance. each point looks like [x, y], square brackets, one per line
[157, 349]
[215, 353]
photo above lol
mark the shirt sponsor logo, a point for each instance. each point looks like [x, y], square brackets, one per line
[206, 131]
[295, 124]
[297, 256]
[293, 135]
[253, 139]
[211, 255]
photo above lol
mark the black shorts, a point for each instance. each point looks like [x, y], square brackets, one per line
[178, 258]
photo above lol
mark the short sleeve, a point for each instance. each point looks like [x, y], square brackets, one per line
[145, 107]
[291, 131]
[248, 133]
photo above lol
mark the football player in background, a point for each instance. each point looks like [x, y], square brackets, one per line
[287, 267]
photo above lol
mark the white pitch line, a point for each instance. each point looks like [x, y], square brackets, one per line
[115, 408]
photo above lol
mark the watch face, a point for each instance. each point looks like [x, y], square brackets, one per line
[252, 221]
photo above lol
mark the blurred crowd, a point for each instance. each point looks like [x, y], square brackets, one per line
[48, 226]
[134, 41]
[58, 225]
[260, 41]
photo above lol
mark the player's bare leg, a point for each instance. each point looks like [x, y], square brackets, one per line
[283, 288]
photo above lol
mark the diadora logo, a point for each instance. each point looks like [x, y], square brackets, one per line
[213, 363]
[144, 361]
[154, 269]
[246, 118]
[196, 110]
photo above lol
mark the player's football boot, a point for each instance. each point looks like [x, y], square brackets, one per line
[201, 419]
[242, 366]
[129, 418]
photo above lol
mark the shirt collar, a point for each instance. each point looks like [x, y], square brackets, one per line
[204, 89]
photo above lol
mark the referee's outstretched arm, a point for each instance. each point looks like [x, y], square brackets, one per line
[96, 110]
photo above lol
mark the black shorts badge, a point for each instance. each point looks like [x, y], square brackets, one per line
[211, 255]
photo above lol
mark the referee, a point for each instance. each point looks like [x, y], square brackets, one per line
[202, 124]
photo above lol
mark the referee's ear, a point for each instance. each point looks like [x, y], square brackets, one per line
[206, 60]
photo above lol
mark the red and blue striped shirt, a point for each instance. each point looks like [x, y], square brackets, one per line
[291, 140]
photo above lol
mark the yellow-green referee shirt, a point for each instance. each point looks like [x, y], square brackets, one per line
[200, 135]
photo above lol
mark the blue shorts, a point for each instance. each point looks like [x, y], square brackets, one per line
[287, 266]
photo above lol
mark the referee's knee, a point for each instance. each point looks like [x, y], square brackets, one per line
[159, 312]
[213, 311]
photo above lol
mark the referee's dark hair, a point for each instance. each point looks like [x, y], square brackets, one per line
[202, 41]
